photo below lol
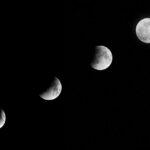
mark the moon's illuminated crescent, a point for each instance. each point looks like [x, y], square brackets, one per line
[143, 30]
[2, 119]
[103, 58]
[53, 91]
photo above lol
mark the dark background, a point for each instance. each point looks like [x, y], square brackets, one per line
[105, 108]
[31, 56]
[95, 109]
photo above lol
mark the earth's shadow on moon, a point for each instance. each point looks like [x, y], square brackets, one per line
[44, 84]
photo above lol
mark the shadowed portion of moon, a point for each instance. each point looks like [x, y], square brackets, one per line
[143, 30]
[2, 118]
[53, 91]
[102, 58]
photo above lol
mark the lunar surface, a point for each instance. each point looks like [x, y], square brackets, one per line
[143, 30]
[102, 58]
[2, 118]
[53, 91]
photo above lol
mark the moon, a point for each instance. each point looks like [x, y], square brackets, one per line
[53, 90]
[102, 58]
[2, 118]
[143, 30]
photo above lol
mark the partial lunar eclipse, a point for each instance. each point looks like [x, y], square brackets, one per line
[53, 91]
[102, 58]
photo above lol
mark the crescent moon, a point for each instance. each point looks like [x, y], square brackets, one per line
[143, 30]
[53, 91]
[2, 119]
[102, 58]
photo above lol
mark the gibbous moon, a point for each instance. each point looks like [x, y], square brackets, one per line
[102, 58]
[143, 30]
[53, 91]
[2, 118]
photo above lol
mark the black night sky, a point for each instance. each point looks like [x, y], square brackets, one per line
[96, 109]
[106, 108]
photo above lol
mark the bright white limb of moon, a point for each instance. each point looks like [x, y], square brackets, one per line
[2, 119]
